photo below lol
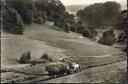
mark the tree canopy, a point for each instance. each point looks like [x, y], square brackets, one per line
[100, 14]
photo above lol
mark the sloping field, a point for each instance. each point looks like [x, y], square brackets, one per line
[42, 39]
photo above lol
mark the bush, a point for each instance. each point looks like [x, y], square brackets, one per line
[89, 32]
[50, 59]
[67, 28]
[108, 38]
[12, 21]
[86, 33]
[45, 56]
[25, 58]
[73, 28]
[92, 30]
[80, 27]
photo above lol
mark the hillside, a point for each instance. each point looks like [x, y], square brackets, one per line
[124, 5]
[74, 8]
[95, 59]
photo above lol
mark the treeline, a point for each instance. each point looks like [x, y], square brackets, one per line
[16, 13]
[100, 15]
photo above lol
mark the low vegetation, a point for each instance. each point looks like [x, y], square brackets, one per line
[46, 56]
[25, 58]
[108, 38]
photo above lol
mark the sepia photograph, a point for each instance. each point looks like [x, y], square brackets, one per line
[64, 41]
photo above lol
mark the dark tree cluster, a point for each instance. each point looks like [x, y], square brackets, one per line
[100, 14]
[12, 21]
[86, 30]
[24, 7]
[108, 38]
[40, 11]
[123, 37]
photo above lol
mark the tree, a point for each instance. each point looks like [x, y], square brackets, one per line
[99, 14]
[12, 21]
[24, 7]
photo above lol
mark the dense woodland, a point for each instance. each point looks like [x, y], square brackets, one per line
[17, 13]
[100, 14]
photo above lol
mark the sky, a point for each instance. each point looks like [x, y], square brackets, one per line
[79, 2]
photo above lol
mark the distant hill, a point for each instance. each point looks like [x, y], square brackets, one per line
[74, 8]
[124, 6]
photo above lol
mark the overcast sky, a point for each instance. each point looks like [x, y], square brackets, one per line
[79, 2]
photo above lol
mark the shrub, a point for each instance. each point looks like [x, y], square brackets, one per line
[86, 33]
[92, 30]
[25, 58]
[12, 21]
[108, 38]
[80, 27]
[50, 59]
[67, 28]
[89, 32]
[73, 28]
[45, 56]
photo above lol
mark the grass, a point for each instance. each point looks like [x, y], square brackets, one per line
[42, 39]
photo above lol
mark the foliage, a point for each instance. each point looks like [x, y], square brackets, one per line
[79, 27]
[41, 10]
[25, 58]
[55, 11]
[99, 14]
[108, 38]
[24, 7]
[45, 56]
[12, 22]
[73, 28]
[120, 20]
[50, 7]
[89, 32]
[1, 10]
[86, 33]
[66, 27]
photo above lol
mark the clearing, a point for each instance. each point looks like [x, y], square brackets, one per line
[99, 62]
